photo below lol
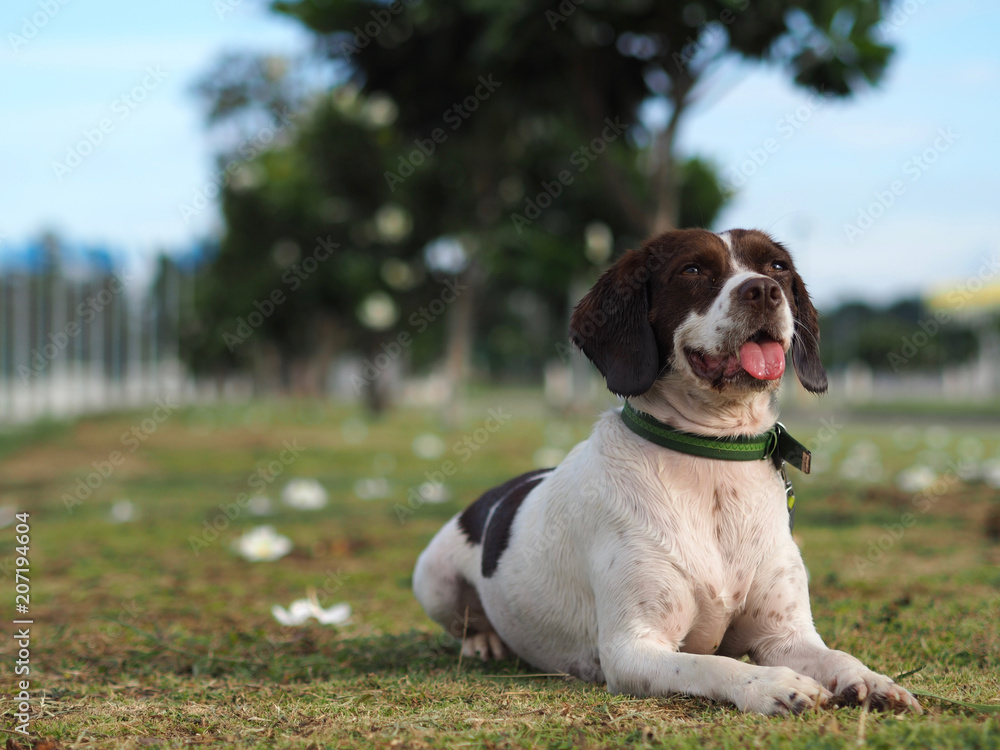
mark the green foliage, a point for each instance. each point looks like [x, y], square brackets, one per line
[701, 196]
[509, 127]
[904, 334]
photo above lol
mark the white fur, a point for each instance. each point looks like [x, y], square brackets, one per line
[654, 570]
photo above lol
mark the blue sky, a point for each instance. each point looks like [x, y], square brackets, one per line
[805, 172]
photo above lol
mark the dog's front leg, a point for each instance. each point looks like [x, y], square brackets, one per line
[642, 623]
[647, 667]
[777, 629]
[845, 676]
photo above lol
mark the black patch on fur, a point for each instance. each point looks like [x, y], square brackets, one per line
[496, 534]
[470, 617]
[473, 519]
[850, 695]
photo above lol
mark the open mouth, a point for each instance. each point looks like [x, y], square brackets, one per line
[761, 357]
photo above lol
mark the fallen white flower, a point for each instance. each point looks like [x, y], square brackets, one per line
[434, 493]
[428, 446]
[262, 543]
[301, 610]
[123, 511]
[304, 494]
[916, 478]
[371, 489]
[260, 505]
[991, 473]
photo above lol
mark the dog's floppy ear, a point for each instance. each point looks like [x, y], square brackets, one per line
[611, 326]
[805, 340]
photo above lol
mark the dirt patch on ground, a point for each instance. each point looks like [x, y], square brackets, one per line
[75, 453]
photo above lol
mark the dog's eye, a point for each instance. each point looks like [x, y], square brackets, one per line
[777, 265]
[691, 270]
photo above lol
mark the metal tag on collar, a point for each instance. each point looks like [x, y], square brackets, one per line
[789, 497]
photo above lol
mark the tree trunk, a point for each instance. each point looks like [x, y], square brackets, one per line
[270, 369]
[666, 181]
[459, 348]
[377, 393]
[308, 373]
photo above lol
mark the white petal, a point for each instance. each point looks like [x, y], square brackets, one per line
[304, 494]
[283, 616]
[302, 609]
[263, 543]
[338, 614]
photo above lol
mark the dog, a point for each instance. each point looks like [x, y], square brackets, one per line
[647, 567]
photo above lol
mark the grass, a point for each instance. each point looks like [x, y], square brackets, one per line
[142, 640]
[971, 410]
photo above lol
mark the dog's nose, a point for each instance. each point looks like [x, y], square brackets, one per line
[760, 292]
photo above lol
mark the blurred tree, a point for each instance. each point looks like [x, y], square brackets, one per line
[583, 66]
[505, 146]
[894, 337]
[312, 246]
[338, 165]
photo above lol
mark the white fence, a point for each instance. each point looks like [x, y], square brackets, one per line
[99, 342]
[90, 344]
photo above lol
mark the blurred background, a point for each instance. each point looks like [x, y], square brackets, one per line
[284, 286]
[386, 203]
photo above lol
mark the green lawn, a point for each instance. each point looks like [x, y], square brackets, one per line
[154, 633]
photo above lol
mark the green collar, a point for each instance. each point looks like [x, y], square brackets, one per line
[775, 444]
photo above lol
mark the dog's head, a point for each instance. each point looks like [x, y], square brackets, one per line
[718, 310]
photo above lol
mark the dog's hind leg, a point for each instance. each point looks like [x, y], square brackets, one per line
[442, 583]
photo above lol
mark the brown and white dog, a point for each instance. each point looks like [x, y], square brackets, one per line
[649, 569]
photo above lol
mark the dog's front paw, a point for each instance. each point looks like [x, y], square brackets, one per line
[486, 646]
[780, 690]
[860, 686]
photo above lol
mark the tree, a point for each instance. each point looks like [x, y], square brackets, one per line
[310, 235]
[903, 336]
[508, 132]
[579, 65]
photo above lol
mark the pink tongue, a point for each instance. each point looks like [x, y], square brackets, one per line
[764, 360]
